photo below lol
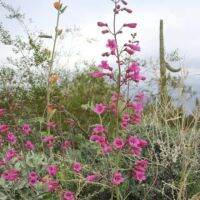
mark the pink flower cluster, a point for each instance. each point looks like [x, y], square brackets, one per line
[68, 195]
[117, 178]
[52, 170]
[133, 73]
[137, 145]
[11, 175]
[33, 178]
[140, 170]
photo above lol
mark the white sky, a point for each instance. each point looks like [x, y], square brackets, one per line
[181, 19]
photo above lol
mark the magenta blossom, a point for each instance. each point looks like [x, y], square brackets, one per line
[52, 185]
[26, 129]
[33, 178]
[10, 154]
[11, 138]
[137, 144]
[96, 74]
[125, 120]
[118, 143]
[52, 170]
[51, 125]
[10, 175]
[29, 145]
[99, 129]
[4, 128]
[68, 195]
[49, 140]
[117, 178]
[112, 45]
[66, 145]
[104, 65]
[140, 170]
[106, 148]
[99, 108]
[76, 166]
[91, 178]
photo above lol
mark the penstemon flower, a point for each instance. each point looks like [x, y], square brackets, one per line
[11, 175]
[76, 167]
[117, 178]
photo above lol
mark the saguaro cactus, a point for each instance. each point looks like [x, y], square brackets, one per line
[164, 66]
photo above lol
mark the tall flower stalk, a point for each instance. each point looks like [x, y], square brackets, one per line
[58, 6]
[127, 71]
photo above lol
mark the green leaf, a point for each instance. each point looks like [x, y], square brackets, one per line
[45, 36]
[63, 10]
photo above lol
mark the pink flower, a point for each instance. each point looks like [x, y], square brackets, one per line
[98, 129]
[129, 51]
[91, 178]
[29, 145]
[96, 74]
[4, 128]
[33, 178]
[2, 112]
[99, 108]
[139, 176]
[102, 140]
[52, 185]
[130, 25]
[66, 145]
[133, 47]
[117, 178]
[94, 138]
[137, 145]
[106, 148]
[140, 97]
[140, 169]
[101, 24]
[104, 65]
[11, 138]
[118, 143]
[52, 170]
[125, 120]
[112, 45]
[76, 166]
[11, 175]
[138, 107]
[26, 129]
[136, 119]
[51, 125]
[49, 140]
[10, 154]
[68, 195]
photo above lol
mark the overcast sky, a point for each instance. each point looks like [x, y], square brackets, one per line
[181, 17]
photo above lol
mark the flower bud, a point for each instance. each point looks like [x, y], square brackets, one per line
[105, 31]
[130, 25]
[124, 2]
[106, 54]
[57, 5]
[101, 24]
[118, 6]
[129, 51]
[128, 10]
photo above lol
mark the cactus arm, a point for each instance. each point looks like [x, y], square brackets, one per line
[171, 69]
